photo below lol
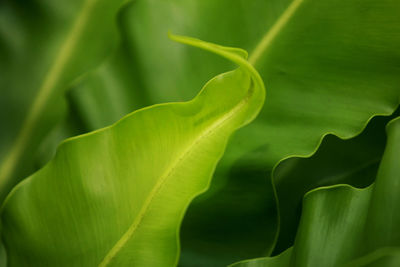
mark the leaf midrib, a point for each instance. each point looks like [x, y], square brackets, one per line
[55, 73]
[50, 81]
[270, 35]
[262, 46]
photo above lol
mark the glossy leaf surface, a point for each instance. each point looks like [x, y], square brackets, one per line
[126, 187]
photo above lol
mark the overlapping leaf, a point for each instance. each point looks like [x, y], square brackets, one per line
[126, 187]
[344, 225]
[329, 66]
[354, 162]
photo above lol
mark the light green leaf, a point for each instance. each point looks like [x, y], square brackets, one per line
[126, 187]
[44, 46]
[329, 65]
[341, 223]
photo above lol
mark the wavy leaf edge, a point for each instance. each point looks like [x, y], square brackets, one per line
[308, 155]
[360, 261]
[238, 56]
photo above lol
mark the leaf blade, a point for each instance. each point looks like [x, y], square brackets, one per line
[340, 223]
[157, 156]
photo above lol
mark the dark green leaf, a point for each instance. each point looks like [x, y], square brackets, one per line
[44, 46]
[340, 223]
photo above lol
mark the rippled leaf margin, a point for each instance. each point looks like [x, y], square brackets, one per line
[341, 223]
[127, 186]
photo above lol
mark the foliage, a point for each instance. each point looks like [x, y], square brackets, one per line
[44, 47]
[329, 68]
[153, 162]
[341, 223]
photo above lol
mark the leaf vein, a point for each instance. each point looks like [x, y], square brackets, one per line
[136, 223]
[269, 37]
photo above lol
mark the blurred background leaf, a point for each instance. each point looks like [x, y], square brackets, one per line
[44, 46]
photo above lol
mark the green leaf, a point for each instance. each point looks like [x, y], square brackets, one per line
[341, 223]
[3, 256]
[126, 187]
[329, 66]
[354, 162]
[44, 47]
[388, 257]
